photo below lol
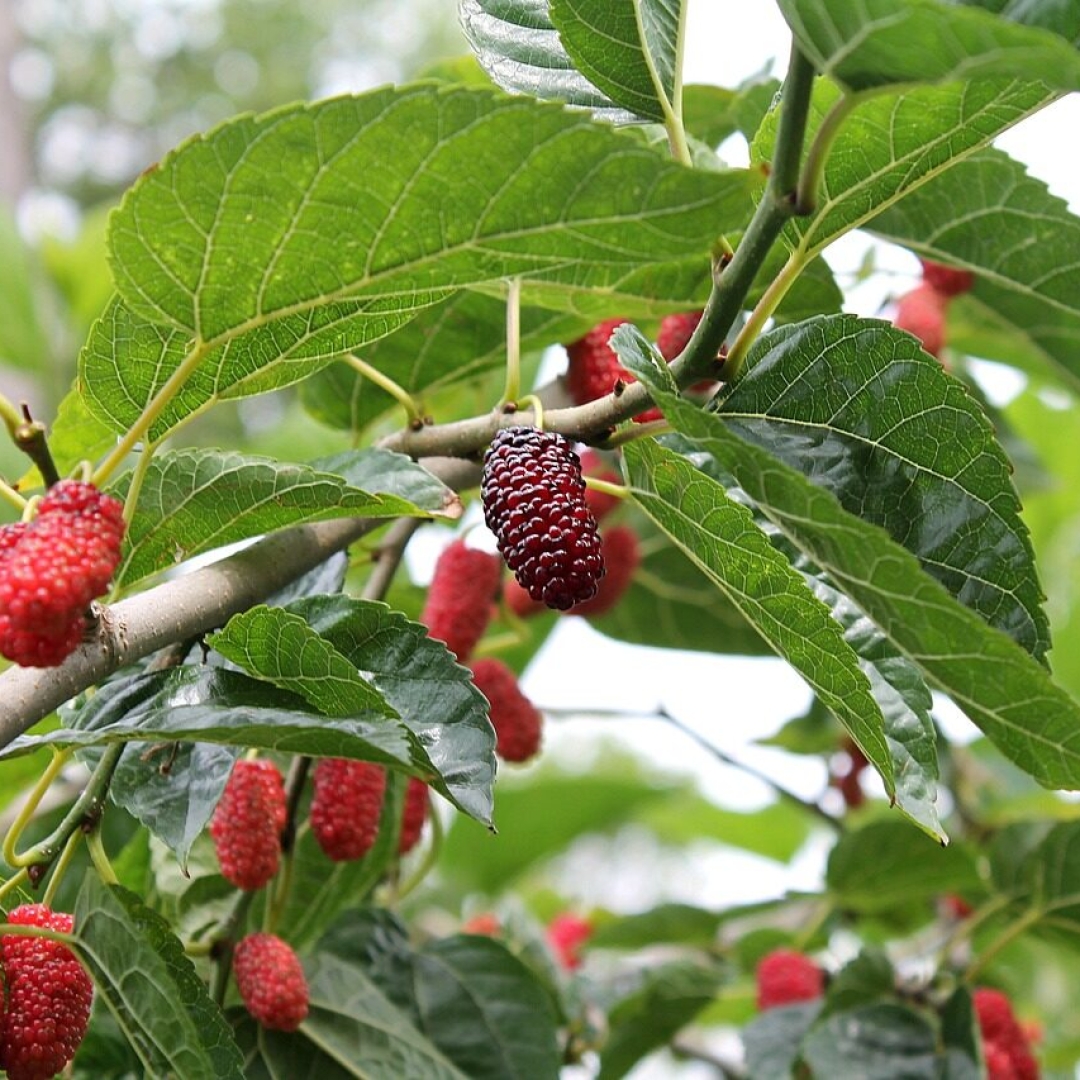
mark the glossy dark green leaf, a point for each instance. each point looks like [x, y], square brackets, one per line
[862, 980]
[192, 501]
[1027, 272]
[875, 1042]
[352, 1031]
[871, 43]
[485, 1010]
[721, 537]
[887, 864]
[151, 988]
[667, 999]
[960, 1036]
[279, 647]
[420, 678]
[630, 52]
[1001, 688]
[773, 1040]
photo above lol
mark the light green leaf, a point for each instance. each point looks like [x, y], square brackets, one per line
[871, 43]
[279, 647]
[720, 536]
[149, 985]
[23, 341]
[196, 500]
[893, 143]
[519, 47]
[629, 51]
[1026, 266]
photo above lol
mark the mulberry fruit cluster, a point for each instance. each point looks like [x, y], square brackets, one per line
[922, 311]
[1005, 1046]
[271, 981]
[517, 722]
[785, 977]
[48, 997]
[534, 502]
[247, 823]
[458, 605]
[567, 934]
[52, 567]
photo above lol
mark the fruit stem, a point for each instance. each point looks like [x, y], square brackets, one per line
[9, 494]
[616, 491]
[427, 864]
[99, 857]
[13, 882]
[52, 770]
[384, 382]
[533, 402]
[224, 941]
[11, 416]
[30, 439]
[86, 809]
[513, 343]
[61, 866]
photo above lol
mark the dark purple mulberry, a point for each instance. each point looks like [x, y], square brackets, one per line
[534, 503]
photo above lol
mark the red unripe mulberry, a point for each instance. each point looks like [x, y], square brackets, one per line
[945, 279]
[48, 997]
[534, 503]
[599, 502]
[247, 823]
[1003, 1037]
[458, 605]
[622, 555]
[594, 367]
[413, 814]
[271, 981]
[346, 805]
[567, 935]
[921, 313]
[517, 722]
[52, 567]
[785, 976]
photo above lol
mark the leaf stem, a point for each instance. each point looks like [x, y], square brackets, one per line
[384, 382]
[56, 763]
[814, 166]
[10, 495]
[99, 857]
[513, 343]
[153, 410]
[11, 416]
[769, 302]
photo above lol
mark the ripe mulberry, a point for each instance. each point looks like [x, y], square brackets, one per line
[48, 997]
[567, 935]
[413, 815]
[247, 823]
[946, 280]
[458, 605]
[517, 722]
[921, 313]
[622, 555]
[534, 503]
[271, 981]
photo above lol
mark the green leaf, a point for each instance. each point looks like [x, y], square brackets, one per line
[462, 187]
[1001, 688]
[192, 501]
[629, 51]
[870, 975]
[420, 678]
[679, 924]
[1027, 272]
[863, 412]
[159, 1002]
[876, 1042]
[23, 341]
[668, 998]
[773, 1040]
[959, 1027]
[519, 47]
[485, 1010]
[870, 43]
[279, 647]
[893, 143]
[721, 537]
[352, 1030]
[886, 865]
[172, 789]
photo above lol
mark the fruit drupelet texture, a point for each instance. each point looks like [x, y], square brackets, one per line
[458, 605]
[534, 503]
[271, 981]
[346, 805]
[517, 722]
[247, 823]
[785, 977]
